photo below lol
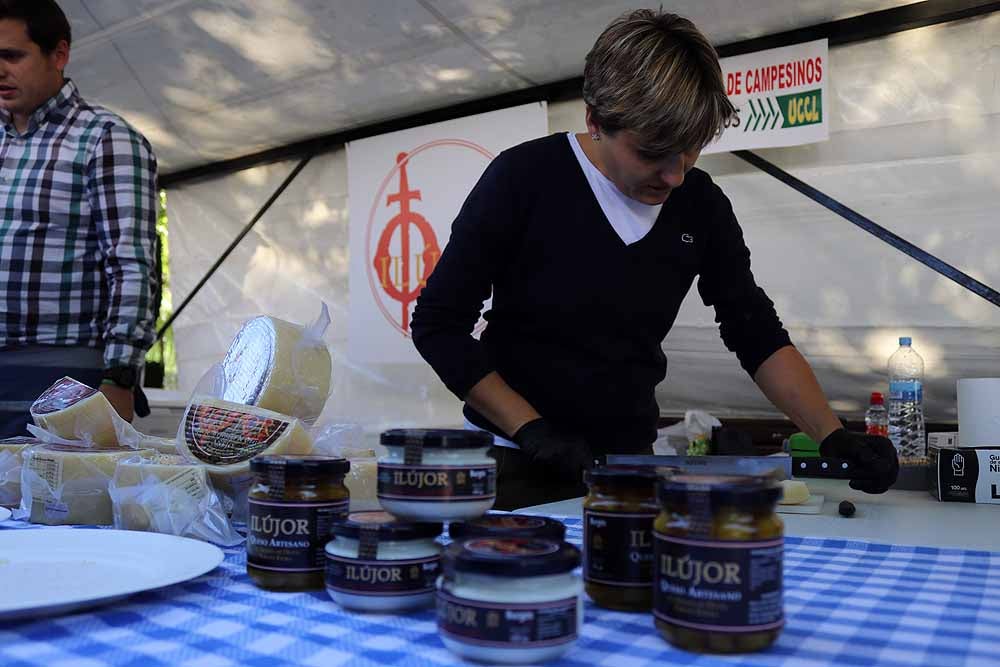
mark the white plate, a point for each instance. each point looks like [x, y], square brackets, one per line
[4, 514]
[46, 572]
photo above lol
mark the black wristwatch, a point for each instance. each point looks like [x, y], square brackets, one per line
[124, 377]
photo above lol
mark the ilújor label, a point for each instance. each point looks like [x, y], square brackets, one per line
[436, 482]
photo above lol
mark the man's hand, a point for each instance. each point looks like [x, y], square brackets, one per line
[874, 457]
[562, 455]
[121, 399]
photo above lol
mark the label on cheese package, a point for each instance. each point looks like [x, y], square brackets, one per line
[225, 435]
[73, 411]
[62, 484]
[65, 393]
[219, 436]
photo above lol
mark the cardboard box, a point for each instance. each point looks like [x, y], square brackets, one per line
[970, 475]
[943, 440]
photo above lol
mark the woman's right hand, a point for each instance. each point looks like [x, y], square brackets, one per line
[563, 455]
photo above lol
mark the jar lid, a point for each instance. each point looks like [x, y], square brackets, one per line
[299, 466]
[621, 475]
[741, 489]
[358, 524]
[438, 438]
[508, 525]
[511, 557]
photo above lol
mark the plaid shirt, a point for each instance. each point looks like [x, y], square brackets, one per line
[77, 231]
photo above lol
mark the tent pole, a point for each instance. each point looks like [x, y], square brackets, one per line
[232, 246]
[876, 230]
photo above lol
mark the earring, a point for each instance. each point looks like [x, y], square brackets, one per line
[595, 136]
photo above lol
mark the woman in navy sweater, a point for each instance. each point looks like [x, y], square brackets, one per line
[589, 244]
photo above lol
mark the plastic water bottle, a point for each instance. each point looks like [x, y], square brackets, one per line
[877, 417]
[906, 395]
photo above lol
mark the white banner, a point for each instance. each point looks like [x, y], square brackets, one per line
[780, 98]
[404, 191]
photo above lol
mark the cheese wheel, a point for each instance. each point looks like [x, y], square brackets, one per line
[224, 436]
[272, 365]
[794, 492]
[10, 469]
[74, 411]
[162, 494]
[66, 485]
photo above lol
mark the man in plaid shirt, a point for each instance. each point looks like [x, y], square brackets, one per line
[77, 229]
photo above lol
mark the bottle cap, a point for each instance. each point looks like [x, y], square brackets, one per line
[905, 341]
[877, 398]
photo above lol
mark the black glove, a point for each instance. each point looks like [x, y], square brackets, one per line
[873, 456]
[560, 454]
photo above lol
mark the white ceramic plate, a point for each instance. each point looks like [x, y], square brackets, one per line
[47, 572]
[4, 514]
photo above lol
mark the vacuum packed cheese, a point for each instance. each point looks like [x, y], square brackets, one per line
[170, 495]
[362, 481]
[224, 436]
[74, 411]
[158, 493]
[10, 469]
[161, 445]
[274, 365]
[65, 485]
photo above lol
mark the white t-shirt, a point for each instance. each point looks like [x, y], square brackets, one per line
[630, 219]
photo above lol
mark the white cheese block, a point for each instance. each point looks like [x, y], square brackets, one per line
[10, 469]
[163, 494]
[224, 436]
[66, 485]
[74, 411]
[272, 365]
[794, 492]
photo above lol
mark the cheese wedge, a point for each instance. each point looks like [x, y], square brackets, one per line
[162, 494]
[794, 492]
[224, 436]
[10, 469]
[272, 365]
[66, 485]
[74, 411]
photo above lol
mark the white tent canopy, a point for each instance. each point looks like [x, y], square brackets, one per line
[207, 80]
[915, 138]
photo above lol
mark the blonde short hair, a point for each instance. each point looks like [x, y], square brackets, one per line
[655, 74]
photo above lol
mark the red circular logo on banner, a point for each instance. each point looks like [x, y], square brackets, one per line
[401, 244]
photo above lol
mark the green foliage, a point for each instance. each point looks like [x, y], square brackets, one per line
[163, 351]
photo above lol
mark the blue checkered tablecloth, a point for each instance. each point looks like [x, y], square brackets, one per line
[847, 603]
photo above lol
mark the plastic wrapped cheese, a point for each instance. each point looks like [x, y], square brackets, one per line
[362, 482]
[73, 411]
[279, 366]
[10, 469]
[167, 494]
[161, 445]
[224, 436]
[65, 485]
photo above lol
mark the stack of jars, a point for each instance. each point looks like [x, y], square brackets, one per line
[704, 553]
[505, 589]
